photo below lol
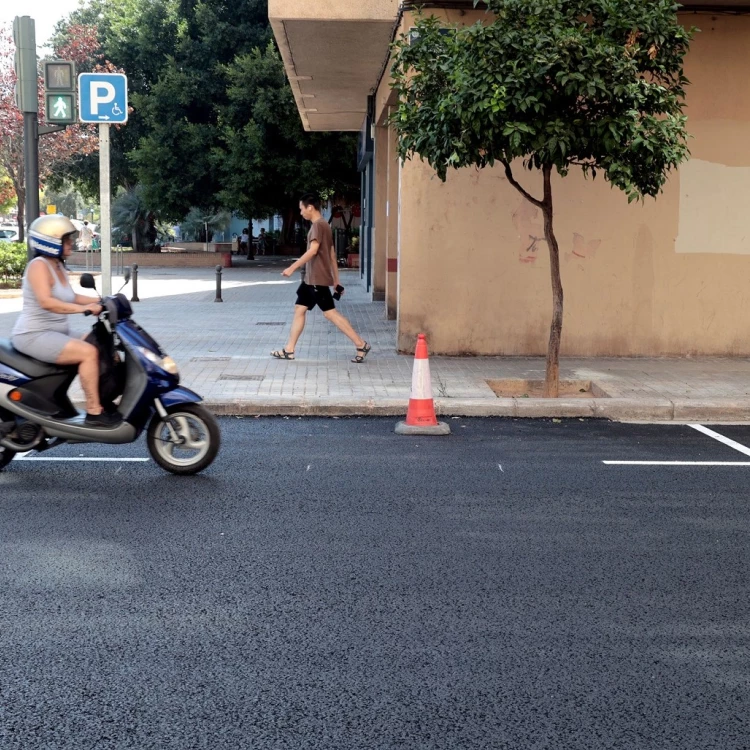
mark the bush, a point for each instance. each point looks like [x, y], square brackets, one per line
[12, 261]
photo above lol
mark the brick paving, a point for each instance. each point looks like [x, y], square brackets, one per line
[223, 351]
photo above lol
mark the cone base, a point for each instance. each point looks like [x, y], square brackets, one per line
[441, 428]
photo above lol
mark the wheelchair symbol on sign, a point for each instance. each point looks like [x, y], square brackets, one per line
[116, 109]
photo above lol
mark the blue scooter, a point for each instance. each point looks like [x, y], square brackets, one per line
[36, 413]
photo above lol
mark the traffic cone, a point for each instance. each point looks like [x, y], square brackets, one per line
[420, 417]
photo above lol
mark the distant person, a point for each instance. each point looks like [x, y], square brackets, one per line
[322, 273]
[262, 237]
[87, 237]
[250, 248]
[244, 239]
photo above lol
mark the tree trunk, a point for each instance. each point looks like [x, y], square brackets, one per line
[289, 227]
[552, 381]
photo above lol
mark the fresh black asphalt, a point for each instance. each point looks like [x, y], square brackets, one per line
[328, 584]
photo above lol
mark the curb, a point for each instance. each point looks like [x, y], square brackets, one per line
[614, 409]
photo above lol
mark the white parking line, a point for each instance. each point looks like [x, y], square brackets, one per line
[705, 430]
[716, 436]
[677, 463]
[27, 457]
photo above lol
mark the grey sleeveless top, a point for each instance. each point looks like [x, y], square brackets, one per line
[34, 318]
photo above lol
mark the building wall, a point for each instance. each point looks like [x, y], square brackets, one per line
[671, 276]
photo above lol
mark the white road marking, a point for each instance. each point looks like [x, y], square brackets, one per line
[677, 463]
[308, 467]
[26, 457]
[716, 436]
[500, 466]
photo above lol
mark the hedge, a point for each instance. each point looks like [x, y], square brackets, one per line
[13, 261]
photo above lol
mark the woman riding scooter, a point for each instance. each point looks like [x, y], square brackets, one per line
[42, 331]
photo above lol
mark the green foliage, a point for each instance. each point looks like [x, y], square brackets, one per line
[130, 211]
[206, 128]
[198, 221]
[13, 259]
[264, 156]
[592, 83]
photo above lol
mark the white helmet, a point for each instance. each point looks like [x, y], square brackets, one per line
[48, 233]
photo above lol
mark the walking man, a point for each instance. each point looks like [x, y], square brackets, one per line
[322, 273]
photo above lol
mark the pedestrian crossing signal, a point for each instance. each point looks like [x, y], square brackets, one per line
[60, 109]
[60, 92]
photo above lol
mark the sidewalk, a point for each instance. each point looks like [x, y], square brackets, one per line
[223, 352]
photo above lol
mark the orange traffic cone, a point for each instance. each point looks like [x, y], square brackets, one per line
[420, 417]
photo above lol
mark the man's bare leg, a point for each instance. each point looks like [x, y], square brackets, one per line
[298, 325]
[345, 327]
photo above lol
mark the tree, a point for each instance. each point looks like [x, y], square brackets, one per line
[596, 84]
[53, 149]
[201, 224]
[130, 211]
[7, 193]
[264, 156]
[197, 100]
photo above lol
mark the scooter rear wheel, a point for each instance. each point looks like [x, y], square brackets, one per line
[6, 456]
[198, 432]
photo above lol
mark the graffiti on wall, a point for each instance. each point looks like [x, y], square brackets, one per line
[529, 223]
[527, 219]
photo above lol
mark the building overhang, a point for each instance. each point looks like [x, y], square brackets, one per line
[335, 51]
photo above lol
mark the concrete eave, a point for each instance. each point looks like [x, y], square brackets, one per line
[333, 52]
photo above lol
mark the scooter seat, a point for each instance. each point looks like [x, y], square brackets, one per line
[28, 366]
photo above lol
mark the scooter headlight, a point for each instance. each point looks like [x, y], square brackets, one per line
[166, 363]
[170, 366]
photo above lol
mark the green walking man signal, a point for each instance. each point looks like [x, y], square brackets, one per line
[60, 92]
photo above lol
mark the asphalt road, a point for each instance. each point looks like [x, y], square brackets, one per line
[328, 584]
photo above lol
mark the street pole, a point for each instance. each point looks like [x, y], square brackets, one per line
[104, 202]
[31, 171]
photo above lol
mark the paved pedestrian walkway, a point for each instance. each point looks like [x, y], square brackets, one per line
[223, 352]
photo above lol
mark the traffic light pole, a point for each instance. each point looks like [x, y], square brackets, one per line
[31, 170]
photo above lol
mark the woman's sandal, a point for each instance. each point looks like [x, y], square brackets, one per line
[360, 358]
[283, 354]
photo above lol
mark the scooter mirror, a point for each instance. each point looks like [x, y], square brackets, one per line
[87, 281]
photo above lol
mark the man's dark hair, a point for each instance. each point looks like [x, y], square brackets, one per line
[310, 199]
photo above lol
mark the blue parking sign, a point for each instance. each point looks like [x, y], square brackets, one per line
[103, 97]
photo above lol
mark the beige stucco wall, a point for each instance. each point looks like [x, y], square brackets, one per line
[668, 277]
[392, 237]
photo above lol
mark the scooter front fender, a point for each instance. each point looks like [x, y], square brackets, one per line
[180, 395]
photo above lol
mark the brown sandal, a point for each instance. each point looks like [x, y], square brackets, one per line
[364, 351]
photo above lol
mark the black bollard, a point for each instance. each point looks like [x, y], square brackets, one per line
[218, 285]
[135, 297]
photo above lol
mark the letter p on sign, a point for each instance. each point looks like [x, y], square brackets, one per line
[102, 93]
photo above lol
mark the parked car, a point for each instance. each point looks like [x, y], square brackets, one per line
[9, 234]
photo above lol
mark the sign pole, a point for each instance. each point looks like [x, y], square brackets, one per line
[104, 202]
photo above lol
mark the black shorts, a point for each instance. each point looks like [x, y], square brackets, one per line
[308, 296]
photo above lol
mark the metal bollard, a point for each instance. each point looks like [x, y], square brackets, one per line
[135, 298]
[218, 285]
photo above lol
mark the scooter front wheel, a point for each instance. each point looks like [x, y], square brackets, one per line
[6, 456]
[186, 441]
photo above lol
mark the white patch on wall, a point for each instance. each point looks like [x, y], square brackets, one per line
[714, 203]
